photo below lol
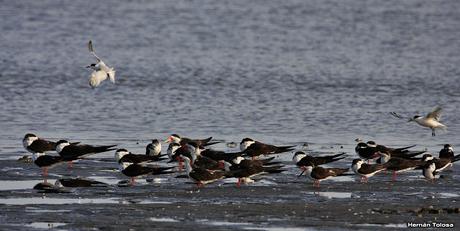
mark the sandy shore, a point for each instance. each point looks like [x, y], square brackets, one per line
[273, 203]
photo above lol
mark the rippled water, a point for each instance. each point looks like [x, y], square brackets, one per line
[284, 72]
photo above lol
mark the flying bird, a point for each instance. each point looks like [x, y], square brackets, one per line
[431, 120]
[100, 70]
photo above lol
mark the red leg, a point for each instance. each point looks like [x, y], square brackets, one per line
[238, 183]
[180, 164]
[133, 181]
[394, 176]
[316, 184]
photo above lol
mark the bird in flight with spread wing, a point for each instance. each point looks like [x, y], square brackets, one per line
[431, 120]
[100, 70]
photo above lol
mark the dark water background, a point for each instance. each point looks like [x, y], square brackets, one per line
[278, 71]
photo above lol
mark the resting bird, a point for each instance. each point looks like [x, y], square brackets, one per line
[366, 170]
[135, 170]
[203, 176]
[318, 174]
[254, 148]
[301, 159]
[447, 152]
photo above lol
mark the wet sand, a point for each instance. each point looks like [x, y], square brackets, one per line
[276, 202]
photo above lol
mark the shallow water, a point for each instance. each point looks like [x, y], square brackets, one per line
[293, 72]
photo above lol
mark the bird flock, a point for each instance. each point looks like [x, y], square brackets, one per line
[204, 165]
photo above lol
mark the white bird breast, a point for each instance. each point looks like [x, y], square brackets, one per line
[97, 77]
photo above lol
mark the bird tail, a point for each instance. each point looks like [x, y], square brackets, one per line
[404, 148]
[105, 148]
[340, 171]
[273, 169]
[281, 149]
[412, 154]
[456, 158]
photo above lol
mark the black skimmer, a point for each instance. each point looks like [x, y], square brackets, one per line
[49, 188]
[371, 150]
[175, 151]
[395, 152]
[318, 174]
[431, 120]
[441, 163]
[220, 155]
[46, 162]
[123, 155]
[397, 164]
[34, 144]
[200, 161]
[301, 159]
[154, 148]
[366, 170]
[244, 169]
[174, 138]
[429, 171]
[447, 152]
[135, 170]
[203, 176]
[100, 70]
[78, 182]
[70, 152]
[254, 148]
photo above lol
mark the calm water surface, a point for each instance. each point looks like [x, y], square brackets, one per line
[323, 72]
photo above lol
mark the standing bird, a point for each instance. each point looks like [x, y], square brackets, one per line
[34, 144]
[70, 152]
[318, 174]
[174, 138]
[301, 159]
[123, 155]
[371, 150]
[366, 170]
[447, 152]
[153, 149]
[244, 169]
[203, 176]
[254, 148]
[429, 171]
[135, 170]
[440, 163]
[46, 162]
[398, 165]
[431, 120]
[100, 70]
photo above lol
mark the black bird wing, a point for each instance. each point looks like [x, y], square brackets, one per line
[79, 182]
[200, 174]
[47, 160]
[73, 152]
[258, 148]
[136, 158]
[206, 163]
[41, 146]
[220, 155]
[370, 168]
[446, 153]
[321, 173]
